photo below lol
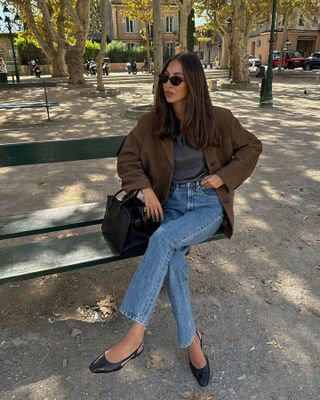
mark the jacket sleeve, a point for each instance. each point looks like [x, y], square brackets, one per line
[246, 151]
[129, 164]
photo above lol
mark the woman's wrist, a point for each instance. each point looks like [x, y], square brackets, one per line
[146, 190]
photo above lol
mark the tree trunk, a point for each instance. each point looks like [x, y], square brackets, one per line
[283, 44]
[147, 40]
[58, 63]
[51, 36]
[157, 42]
[74, 59]
[183, 29]
[80, 16]
[185, 7]
[240, 35]
[104, 30]
[225, 51]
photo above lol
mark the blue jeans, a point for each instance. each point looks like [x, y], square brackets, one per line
[192, 214]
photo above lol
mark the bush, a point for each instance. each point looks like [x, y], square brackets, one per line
[116, 51]
[29, 50]
[91, 50]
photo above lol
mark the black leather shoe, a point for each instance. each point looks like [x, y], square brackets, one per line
[202, 375]
[102, 365]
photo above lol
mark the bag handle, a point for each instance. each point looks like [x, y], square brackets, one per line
[129, 196]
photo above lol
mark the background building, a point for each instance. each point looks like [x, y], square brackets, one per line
[128, 31]
[303, 35]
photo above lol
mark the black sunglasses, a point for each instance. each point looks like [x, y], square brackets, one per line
[174, 80]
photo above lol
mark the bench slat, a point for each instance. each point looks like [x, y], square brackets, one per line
[9, 106]
[54, 255]
[22, 85]
[49, 151]
[54, 219]
[58, 255]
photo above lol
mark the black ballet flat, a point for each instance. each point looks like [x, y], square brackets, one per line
[101, 365]
[202, 375]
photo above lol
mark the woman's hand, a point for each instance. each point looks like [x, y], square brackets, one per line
[212, 181]
[153, 206]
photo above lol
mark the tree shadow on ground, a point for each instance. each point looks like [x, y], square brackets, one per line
[253, 296]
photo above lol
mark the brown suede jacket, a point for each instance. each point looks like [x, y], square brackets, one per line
[145, 160]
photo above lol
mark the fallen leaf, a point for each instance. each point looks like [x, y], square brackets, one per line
[274, 344]
[155, 360]
[76, 332]
[102, 310]
[107, 306]
[304, 311]
[197, 394]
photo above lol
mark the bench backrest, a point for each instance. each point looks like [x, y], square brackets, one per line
[48, 151]
[22, 85]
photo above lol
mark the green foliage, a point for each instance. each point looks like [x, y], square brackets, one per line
[29, 50]
[117, 51]
[91, 50]
[191, 31]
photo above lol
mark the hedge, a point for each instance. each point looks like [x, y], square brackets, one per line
[116, 51]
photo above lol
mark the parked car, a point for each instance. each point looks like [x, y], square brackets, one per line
[254, 64]
[292, 59]
[312, 62]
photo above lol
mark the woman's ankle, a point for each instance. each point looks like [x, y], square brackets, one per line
[136, 332]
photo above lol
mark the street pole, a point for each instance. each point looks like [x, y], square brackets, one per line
[266, 85]
[7, 20]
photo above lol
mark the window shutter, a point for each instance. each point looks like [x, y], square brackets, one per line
[135, 26]
[175, 24]
[165, 24]
[124, 26]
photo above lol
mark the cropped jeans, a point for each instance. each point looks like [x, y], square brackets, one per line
[192, 214]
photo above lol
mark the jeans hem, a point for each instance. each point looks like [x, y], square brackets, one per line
[183, 346]
[132, 317]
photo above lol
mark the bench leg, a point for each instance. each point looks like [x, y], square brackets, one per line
[46, 99]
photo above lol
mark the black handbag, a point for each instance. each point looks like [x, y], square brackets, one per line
[125, 225]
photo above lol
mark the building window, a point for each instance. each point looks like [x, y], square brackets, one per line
[129, 25]
[150, 30]
[170, 49]
[170, 24]
[130, 46]
[301, 21]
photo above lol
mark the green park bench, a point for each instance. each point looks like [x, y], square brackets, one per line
[33, 104]
[53, 255]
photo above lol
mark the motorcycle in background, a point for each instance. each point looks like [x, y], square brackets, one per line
[35, 68]
[90, 67]
[37, 71]
[131, 66]
[106, 66]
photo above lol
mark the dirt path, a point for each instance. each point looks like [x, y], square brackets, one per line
[256, 297]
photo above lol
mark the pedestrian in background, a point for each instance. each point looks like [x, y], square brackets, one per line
[3, 71]
[187, 157]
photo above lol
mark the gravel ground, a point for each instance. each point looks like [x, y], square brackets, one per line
[256, 297]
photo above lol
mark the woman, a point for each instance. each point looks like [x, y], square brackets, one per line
[186, 157]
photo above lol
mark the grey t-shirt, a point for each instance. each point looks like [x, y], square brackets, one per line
[189, 163]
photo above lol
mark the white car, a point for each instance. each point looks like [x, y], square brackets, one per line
[254, 64]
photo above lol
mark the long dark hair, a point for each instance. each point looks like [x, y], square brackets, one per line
[198, 118]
